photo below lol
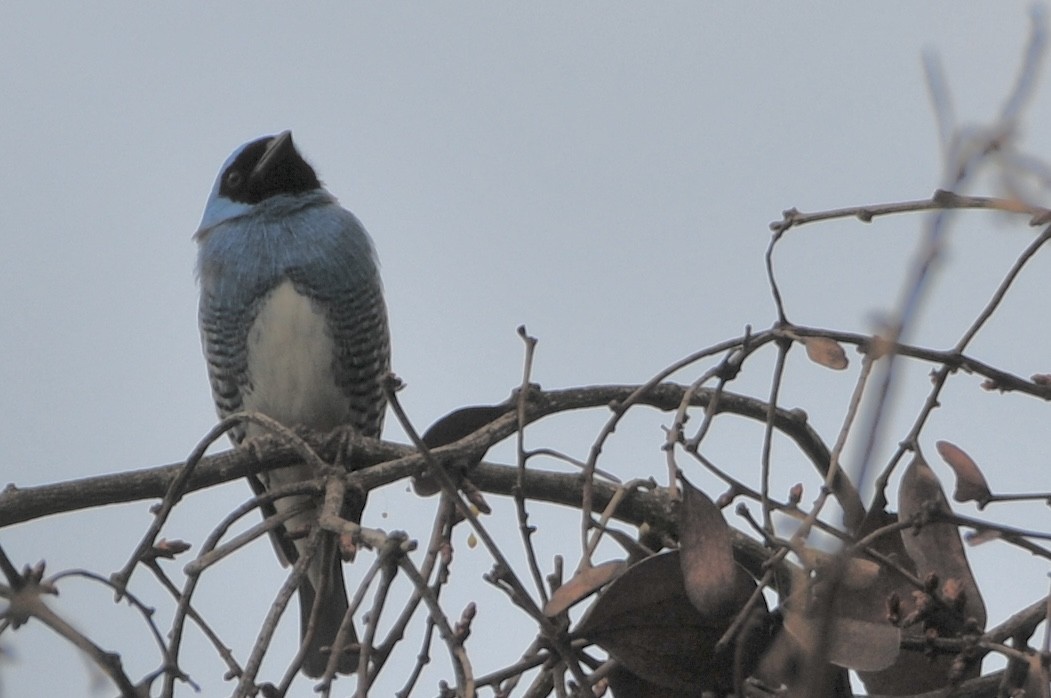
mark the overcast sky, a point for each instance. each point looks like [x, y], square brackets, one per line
[603, 173]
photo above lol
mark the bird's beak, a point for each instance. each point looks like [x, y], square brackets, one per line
[277, 150]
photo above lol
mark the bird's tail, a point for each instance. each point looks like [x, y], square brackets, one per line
[326, 573]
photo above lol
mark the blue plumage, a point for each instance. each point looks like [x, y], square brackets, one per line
[293, 325]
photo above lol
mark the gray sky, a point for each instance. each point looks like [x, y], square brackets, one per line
[602, 172]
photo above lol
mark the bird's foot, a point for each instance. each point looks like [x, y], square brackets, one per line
[260, 445]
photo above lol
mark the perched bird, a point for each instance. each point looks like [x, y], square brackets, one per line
[294, 326]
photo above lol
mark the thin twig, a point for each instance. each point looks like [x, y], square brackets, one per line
[768, 432]
[524, 529]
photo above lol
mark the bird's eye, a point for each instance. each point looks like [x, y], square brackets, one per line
[234, 179]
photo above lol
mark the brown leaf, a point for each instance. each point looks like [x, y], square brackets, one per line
[858, 573]
[707, 554]
[1026, 676]
[970, 483]
[863, 646]
[625, 684]
[881, 603]
[582, 585]
[936, 548]
[1037, 680]
[826, 352]
[646, 621]
[934, 551]
[786, 663]
[852, 643]
[848, 629]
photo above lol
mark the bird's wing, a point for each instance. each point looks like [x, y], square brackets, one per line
[346, 284]
[225, 315]
[225, 318]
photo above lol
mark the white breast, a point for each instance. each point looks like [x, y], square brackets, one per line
[290, 364]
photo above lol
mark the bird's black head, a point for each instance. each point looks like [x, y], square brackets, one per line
[267, 167]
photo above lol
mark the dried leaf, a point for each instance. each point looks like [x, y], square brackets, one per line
[850, 642]
[625, 684]
[863, 646]
[1037, 680]
[1026, 676]
[888, 598]
[839, 623]
[646, 621]
[826, 352]
[707, 556]
[858, 573]
[936, 548]
[582, 585]
[970, 483]
[785, 663]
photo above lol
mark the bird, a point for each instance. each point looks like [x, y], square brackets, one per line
[294, 326]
